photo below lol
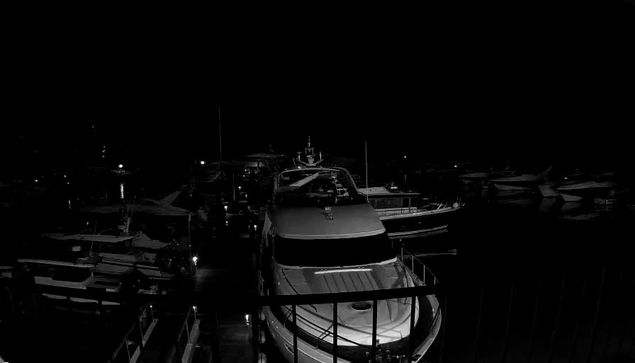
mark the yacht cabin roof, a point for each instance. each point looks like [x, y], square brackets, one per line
[350, 221]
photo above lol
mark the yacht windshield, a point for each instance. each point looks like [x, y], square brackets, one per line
[308, 187]
[333, 252]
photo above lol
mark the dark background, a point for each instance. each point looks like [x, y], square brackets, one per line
[441, 81]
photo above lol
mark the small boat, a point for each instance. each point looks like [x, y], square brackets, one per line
[523, 182]
[482, 176]
[580, 191]
[408, 214]
[474, 177]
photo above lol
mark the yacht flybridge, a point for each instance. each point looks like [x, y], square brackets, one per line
[321, 235]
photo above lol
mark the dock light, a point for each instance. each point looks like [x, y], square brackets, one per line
[456, 166]
[202, 162]
[225, 206]
[227, 223]
[255, 227]
[194, 308]
[247, 319]
[36, 180]
[194, 259]
[64, 175]
[239, 187]
[120, 166]
[405, 157]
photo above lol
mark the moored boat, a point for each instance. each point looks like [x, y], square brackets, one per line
[120, 251]
[580, 191]
[523, 182]
[321, 236]
[408, 214]
[69, 273]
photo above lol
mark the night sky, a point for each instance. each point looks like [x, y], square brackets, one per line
[461, 86]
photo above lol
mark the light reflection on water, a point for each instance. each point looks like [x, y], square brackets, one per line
[121, 191]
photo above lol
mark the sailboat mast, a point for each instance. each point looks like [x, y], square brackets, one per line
[220, 140]
[366, 161]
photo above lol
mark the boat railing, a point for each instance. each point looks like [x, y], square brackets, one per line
[188, 335]
[398, 211]
[136, 338]
[436, 206]
[417, 267]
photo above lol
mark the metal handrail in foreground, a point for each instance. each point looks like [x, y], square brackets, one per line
[625, 291]
[428, 286]
[136, 337]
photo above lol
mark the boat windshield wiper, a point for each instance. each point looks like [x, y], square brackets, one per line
[303, 181]
[298, 184]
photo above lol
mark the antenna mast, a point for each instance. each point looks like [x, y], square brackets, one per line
[220, 140]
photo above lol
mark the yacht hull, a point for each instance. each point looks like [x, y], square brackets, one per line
[308, 353]
[511, 187]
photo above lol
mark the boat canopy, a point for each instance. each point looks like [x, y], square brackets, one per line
[382, 192]
[79, 263]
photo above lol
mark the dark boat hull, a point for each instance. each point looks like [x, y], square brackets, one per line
[417, 225]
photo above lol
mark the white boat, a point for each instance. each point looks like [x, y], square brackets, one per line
[482, 176]
[321, 236]
[119, 252]
[408, 214]
[71, 274]
[523, 182]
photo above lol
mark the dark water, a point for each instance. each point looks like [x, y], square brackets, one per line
[518, 242]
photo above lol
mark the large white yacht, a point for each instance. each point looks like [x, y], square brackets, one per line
[69, 273]
[320, 235]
